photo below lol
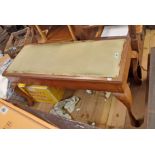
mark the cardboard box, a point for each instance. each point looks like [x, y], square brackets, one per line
[12, 117]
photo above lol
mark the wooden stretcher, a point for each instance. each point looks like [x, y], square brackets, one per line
[98, 65]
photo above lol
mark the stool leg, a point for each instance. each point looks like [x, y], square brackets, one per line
[126, 99]
[43, 36]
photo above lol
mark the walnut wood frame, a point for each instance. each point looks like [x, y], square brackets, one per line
[118, 86]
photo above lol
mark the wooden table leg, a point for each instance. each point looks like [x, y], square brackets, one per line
[126, 99]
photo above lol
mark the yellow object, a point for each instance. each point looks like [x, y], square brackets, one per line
[22, 88]
[42, 94]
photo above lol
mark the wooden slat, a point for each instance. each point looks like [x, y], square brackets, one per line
[93, 108]
[58, 121]
[117, 115]
[86, 105]
[102, 110]
[44, 107]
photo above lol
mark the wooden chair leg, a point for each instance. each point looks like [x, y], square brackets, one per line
[99, 32]
[43, 36]
[126, 99]
[136, 69]
[71, 32]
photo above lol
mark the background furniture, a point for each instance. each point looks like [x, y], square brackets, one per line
[17, 40]
[67, 32]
